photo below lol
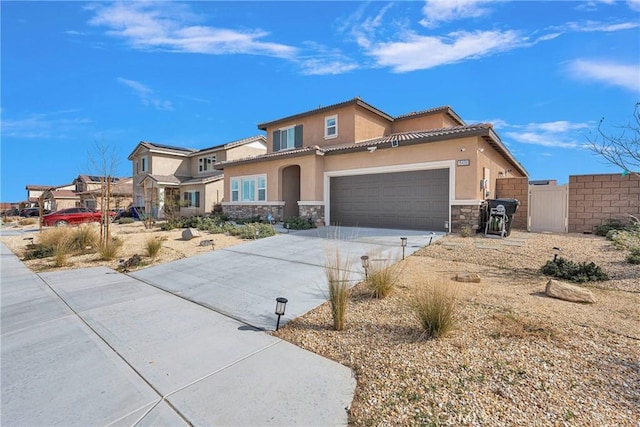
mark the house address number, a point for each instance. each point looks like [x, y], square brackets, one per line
[464, 162]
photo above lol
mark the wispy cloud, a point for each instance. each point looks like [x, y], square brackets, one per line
[557, 134]
[409, 54]
[57, 124]
[172, 27]
[610, 73]
[438, 11]
[146, 95]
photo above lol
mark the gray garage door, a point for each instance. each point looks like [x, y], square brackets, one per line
[416, 200]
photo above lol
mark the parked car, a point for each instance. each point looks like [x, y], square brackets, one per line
[73, 216]
[11, 212]
[26, 212]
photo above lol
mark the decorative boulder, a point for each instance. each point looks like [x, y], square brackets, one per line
[467, 277]
[567, 292]
[190, 233]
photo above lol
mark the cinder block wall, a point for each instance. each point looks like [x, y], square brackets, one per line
[515, 188]
[594, 199]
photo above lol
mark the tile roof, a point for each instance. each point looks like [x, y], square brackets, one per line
[236, 143]
[445, 109]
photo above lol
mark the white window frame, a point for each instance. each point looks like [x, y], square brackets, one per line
[291, 142]
[327, 127]
[144, 164]
[205, 164]
[249, 188]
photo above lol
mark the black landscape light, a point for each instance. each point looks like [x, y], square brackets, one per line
[403, 243]
[288, 226]
[365, 265]
[555, 255]
[281, 303]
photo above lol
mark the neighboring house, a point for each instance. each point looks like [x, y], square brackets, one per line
[173, 180]
[53, 197]
[351, 164]
[90, 187]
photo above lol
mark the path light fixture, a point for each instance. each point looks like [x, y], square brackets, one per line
[365, 265]
[281, 303]
[257, 234]
[287, 226]
[403, 243]
[555, 255]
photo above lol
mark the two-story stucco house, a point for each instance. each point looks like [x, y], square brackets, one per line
[169, 180]
[352, 164]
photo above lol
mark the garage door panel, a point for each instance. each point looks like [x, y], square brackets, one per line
[416, 200]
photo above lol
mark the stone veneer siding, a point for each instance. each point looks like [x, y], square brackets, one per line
[313, 212]
[515, 188]
[465, 216]
[595, 199]
[248, 211]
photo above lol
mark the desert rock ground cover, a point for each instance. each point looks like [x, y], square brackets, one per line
[515, 357]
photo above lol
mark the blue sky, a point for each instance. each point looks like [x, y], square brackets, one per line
[198, 74]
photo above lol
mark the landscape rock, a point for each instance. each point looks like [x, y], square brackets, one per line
[567, 292]
[467, 277]
[190, 233]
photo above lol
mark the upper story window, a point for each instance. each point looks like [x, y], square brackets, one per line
[287, 138]
[205, 164]
[330, 127]
[142, 165]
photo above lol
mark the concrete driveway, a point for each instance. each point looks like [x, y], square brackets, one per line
[95, 347]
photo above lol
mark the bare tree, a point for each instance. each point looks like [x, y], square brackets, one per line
[622, 149]
[105, 163]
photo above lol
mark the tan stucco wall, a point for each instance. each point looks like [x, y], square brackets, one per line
[370, 125]
[243, 151]
[431, 121]
[162, 164]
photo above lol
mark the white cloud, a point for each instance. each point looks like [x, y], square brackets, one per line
[146, 95]
[543, 139]
[622, 75]
[172, 27]
[437, 11]
[55, 124]
[556, 134]
[318, 66]
[634, 5]
[421, 52]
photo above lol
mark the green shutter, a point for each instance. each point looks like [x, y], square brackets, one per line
[298, 136]
[276, 140]
[186, 199]
[197, 199]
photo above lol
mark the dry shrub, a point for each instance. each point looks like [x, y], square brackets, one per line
[110, 249]
[153, 246]
[384, 275]
[27, 221]
[61, 240]
[338, 276]
[86, 237]
[509, 325]
[434, 305]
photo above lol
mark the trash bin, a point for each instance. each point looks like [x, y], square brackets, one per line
[510, 206]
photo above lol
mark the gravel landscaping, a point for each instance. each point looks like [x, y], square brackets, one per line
[516, 357]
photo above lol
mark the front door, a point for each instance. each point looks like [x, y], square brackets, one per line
[291, 190]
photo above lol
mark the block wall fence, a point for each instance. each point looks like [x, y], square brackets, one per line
[593, 199]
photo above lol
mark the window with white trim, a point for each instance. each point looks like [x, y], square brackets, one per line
[191, 199]
[331, 127]
[205, 164]
[249, 189]
[288, 138]
[144, 164]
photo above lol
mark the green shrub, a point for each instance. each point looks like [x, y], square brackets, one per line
[253, 231]
[298, 223]
[575, 272]
[109, 250]
[435, 307]
[611, 224]
[338, 275]
[126, 220]
[153, 246]
[251, 220]
[634, 256]
[383, 276]
[38, 251]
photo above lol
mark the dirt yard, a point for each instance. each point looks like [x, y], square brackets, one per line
[516, 357]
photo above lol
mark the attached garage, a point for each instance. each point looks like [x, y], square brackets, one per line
[417, 200]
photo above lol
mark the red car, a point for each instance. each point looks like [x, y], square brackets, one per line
[72, 216]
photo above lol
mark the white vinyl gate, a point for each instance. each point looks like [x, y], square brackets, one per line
[548, 208]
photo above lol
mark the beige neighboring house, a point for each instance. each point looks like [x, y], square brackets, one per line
[174, 180]
[89, 188]
[54, 197]
[352, 164]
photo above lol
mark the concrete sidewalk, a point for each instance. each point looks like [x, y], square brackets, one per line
[94, 347]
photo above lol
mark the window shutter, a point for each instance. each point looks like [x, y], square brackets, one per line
[186, 199]
[197, 199]
[298, 136]
[276, 140]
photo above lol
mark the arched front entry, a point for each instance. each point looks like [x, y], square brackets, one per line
[291, 190]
